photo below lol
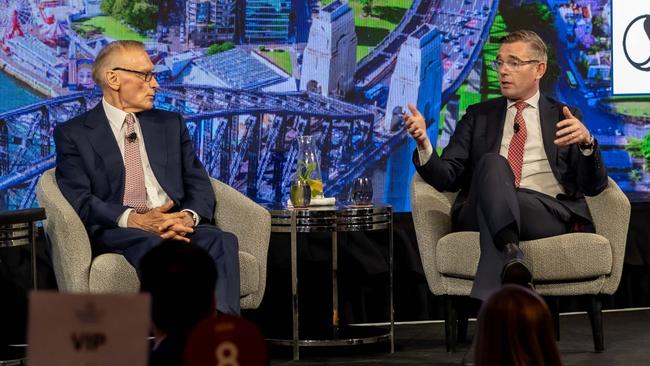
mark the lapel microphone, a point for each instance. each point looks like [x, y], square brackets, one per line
[131, 137]
[515, 127]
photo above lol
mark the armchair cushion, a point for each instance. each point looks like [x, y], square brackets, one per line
[560, 258]
[112, 273]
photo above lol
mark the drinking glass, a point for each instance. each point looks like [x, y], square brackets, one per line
[361, 192]
[300, 194]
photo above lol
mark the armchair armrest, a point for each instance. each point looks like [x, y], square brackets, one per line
[250, 222]
[71, 253]
[432, 221]
[610, 211]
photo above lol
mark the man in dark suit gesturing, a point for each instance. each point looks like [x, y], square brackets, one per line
[131, 174]
[523, 164]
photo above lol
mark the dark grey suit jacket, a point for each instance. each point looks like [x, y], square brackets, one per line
[480, 131]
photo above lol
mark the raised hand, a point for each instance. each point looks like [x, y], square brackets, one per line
[416, 126]
[571, 130]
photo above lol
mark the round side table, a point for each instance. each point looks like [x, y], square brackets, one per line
[334, 219]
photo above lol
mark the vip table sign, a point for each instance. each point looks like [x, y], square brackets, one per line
[88, 330]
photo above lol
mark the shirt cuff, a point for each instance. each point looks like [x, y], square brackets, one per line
[425, 154]
[195, 217]
[123, 220]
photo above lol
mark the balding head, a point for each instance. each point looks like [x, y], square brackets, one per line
[108, 58]
[126, 75]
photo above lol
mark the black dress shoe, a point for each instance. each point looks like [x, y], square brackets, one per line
[515, 271]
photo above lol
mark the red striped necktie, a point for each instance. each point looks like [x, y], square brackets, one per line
[517, 143]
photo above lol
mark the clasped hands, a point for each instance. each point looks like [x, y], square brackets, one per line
[569, 130]
[169, 225]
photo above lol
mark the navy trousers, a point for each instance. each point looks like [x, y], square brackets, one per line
[493, 204]
[222, 247]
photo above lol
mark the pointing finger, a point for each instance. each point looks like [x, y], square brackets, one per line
[567, 112]
[414, 111]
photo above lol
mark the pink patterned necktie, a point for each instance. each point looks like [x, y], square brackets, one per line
[517, 143]
[135, 193]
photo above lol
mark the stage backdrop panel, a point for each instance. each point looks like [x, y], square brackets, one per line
[250, 76]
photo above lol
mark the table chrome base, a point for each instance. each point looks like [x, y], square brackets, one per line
[348, 337]
[17, 362]
[13, 355]
[334, 219]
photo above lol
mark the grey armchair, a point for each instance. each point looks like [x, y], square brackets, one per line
[565, 265]
[77, 271]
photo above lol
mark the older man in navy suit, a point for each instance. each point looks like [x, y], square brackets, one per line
[131, 173]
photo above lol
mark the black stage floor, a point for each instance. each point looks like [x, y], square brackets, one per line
[627, 342]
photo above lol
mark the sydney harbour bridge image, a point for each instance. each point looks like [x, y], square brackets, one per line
[242, 111]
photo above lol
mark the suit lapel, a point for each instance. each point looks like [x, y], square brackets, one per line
[548, 116]
[496, 119]
[102, 139]
[155, 143]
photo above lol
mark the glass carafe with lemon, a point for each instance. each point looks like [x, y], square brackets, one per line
[308, 165]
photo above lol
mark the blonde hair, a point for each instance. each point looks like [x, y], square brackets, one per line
[537, 45]
[104, 57]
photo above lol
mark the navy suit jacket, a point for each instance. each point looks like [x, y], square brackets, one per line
[90, 167]
[480, 131]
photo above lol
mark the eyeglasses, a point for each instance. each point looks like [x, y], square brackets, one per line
[513, 64]
[147, 76]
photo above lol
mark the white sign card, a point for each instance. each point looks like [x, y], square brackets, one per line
[631, 47]
[88, 330]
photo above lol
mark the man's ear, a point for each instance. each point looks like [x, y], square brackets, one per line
[541, 70]
[112, 80]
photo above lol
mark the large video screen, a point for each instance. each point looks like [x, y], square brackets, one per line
[630, 47]
[251, 76]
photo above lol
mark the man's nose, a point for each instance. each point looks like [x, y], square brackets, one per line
[154, 83]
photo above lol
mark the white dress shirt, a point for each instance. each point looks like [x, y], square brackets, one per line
[536, 173]
[156, 195]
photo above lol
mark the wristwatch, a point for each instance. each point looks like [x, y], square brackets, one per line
[588, 148]
[195, 216]
[589, 145]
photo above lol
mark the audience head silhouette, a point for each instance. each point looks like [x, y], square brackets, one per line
[181, 280]
[515, 328]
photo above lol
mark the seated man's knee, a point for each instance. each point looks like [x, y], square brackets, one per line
[491, 166]
[491, 160]
[230, 242]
